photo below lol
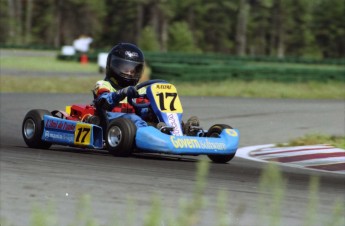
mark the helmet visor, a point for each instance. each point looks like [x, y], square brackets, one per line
[125, 68]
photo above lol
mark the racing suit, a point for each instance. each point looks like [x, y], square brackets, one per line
[114, 102]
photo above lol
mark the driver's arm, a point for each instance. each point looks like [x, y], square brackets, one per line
[106, 99]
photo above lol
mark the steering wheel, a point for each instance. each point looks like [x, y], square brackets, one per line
[139, 86]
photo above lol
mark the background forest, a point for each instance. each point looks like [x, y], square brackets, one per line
[278, 28]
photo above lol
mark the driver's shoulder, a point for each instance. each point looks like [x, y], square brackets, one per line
[104, 85]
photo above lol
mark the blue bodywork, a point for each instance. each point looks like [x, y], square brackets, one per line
[152, 140]
[72, 133]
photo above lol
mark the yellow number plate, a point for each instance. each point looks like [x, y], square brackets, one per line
[82, 134]
[166, 98]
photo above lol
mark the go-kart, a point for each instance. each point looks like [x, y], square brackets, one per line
[85, 127]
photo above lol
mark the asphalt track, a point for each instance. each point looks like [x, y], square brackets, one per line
[61, 175]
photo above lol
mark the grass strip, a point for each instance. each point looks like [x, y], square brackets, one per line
[45, 64]
[257, 89]
[312, 139]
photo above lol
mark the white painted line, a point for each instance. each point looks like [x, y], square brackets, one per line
[313, 162]
[292, 149]
[290, 154]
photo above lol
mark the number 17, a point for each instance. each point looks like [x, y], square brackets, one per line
[167, 95]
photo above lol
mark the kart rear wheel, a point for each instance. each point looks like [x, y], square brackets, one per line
[215, 131]
[120, 137]
[32, 129]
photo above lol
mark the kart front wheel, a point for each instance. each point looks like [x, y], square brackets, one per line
[215, 131]
[32, 129]
[120, 137]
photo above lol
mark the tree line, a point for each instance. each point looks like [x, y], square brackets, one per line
[277, 28]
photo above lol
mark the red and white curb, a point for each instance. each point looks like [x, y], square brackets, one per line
[315, 157]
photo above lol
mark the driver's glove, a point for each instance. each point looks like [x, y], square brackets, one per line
[108, 101]
[119, 95]
[130, 91]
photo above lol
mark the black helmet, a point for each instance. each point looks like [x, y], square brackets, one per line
[125, 64]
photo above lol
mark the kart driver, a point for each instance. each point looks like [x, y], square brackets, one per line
[124, 67]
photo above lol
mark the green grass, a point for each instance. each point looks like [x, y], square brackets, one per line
[270, 206]
[258, 89]
[45, 64]
[297, 65]
[311, 139]
[264, 89]
[39, 84]
[74, 84]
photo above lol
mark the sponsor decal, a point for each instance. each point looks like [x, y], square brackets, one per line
[231, 132]
[61, 125]
[131, 54]
[51, 135]
[174, 122]
[193, 143]
[161, 86]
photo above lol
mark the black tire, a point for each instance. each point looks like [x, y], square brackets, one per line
[215, 131]
[32, 129]
[120, 137]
